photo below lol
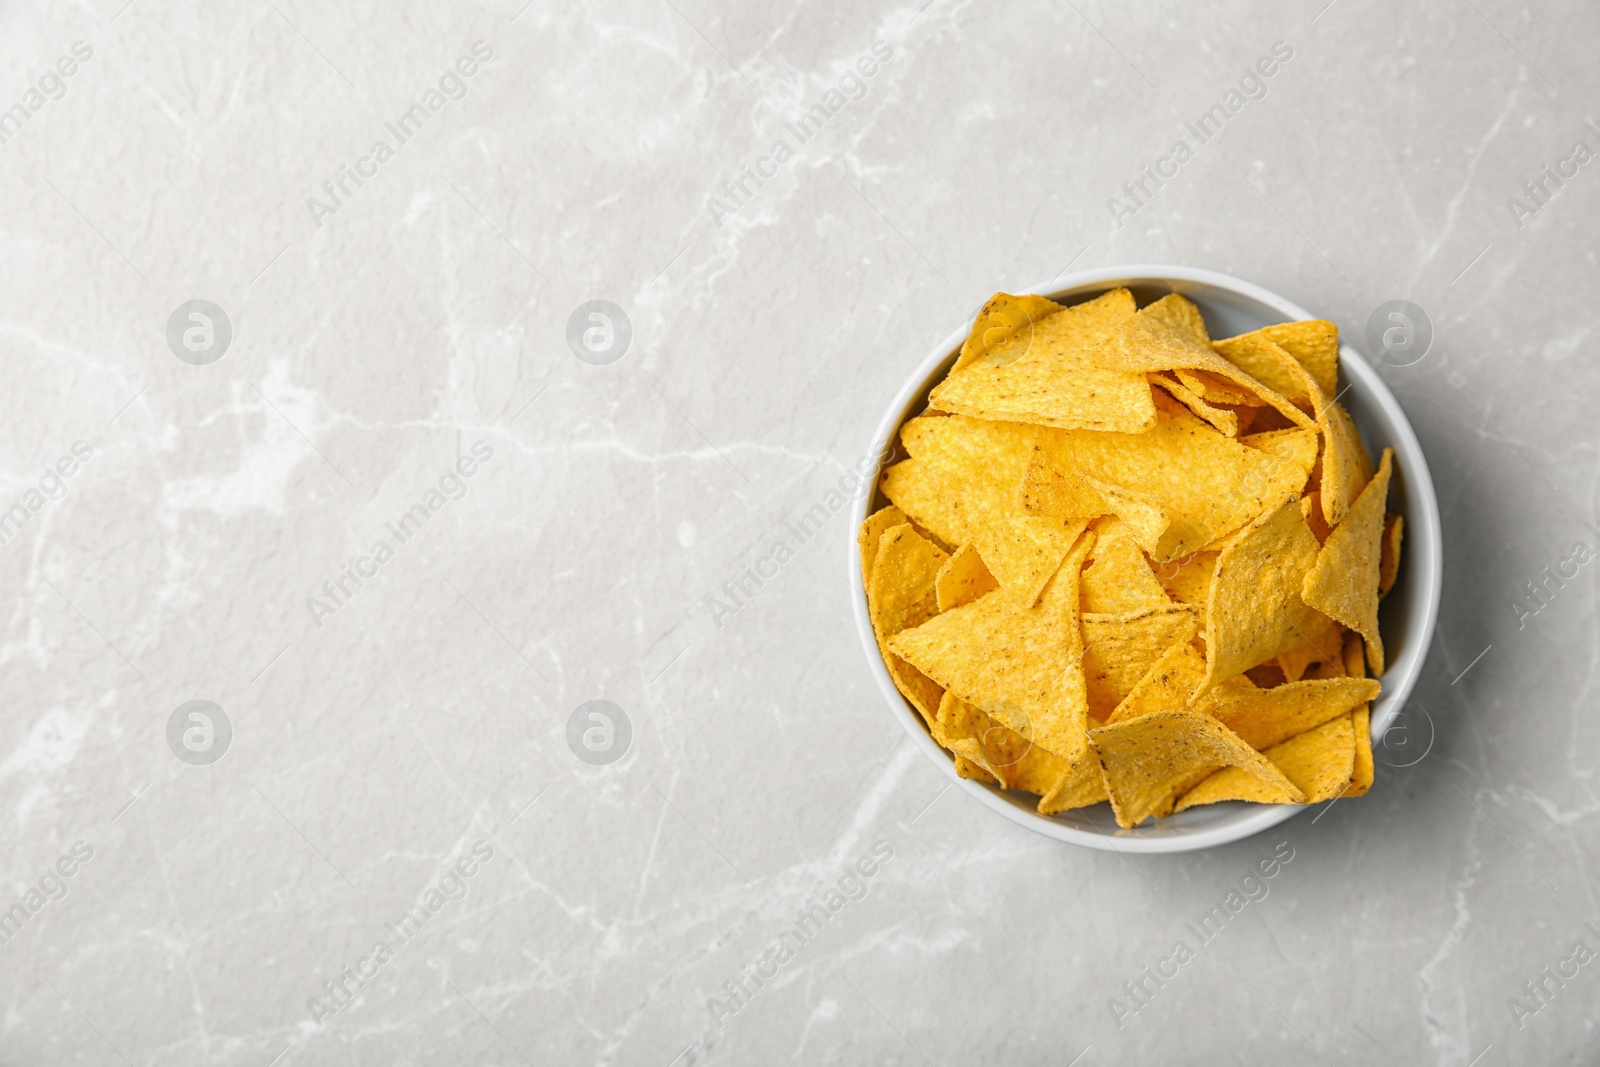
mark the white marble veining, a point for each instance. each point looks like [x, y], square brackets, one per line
[400, 769]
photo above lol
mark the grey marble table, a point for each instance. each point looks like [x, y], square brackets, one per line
[308, 417]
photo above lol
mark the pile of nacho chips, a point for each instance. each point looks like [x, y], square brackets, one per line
[1126, 562]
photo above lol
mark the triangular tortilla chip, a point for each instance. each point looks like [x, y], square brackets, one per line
[1297, 448]
[1171, 334]
[1179, 486]
[1254, 610]
[1314, 343]
[1267, 717]
[961, 483]
[963, 579]
[1319, 762]
[872, 528]
[1343, 583]
[1004, 318]
[900, 595]
[1344, 465]
[1119, 579]
[1080, 785]
[1389, 558]
[972, 735]
[1147, 761]
[1119, 650]
[1166, 686]
[1047, 374]
[1023, 666]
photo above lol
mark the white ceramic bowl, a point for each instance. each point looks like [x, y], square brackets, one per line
[1407, 616]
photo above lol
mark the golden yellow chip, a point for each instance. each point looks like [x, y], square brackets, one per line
[1361, 728]
[1296, 448]
[1001, 753]
[1119, 579]
[1319, 762]
[961, 483]
[1314, 343]
[872, 528]
[1080, 785]
[1047, 374]
[1171, 334]
[1346, 466]
[1005, 318]
[1266, 717]
[1178, 486]
[1389, 557]
[1343, 584]
[901, 595]
[1224, 420]
[1254, 610]
[963, 579]
[1023, 666]
[1166, 686]
[1119, 650]
[1149, 760]
[1322, 645]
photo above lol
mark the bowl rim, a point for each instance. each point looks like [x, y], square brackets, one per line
[1425, 559]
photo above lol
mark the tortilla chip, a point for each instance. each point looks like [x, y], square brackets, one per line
[1148, 760]
[1343, 582]
[1047, 374]
[1314, 344]
[1005, 318]
[1166, 686]
[1023, 666]
[1254, 610]
[1223, 420]
[1119, 650]
[872, 528]
[1297, 448]
[961, 483]
[1267, 717]
[1079, 785]
[1362, 775]
[900, 596]
[1346, 466]
[1322, 645]
[1004, 755]
[1389, 554]
[1171, 334]
[963, 579]
[1119, 579]
[1179, 486]
[1319, 762]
